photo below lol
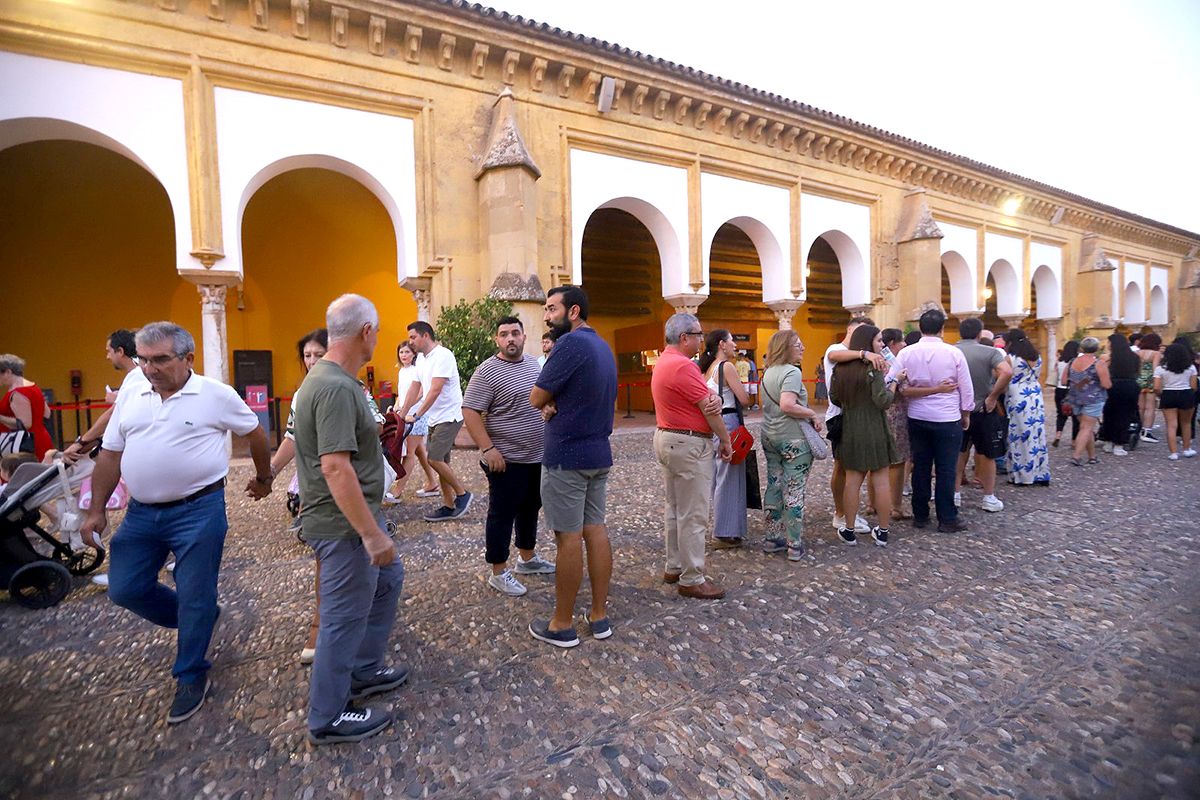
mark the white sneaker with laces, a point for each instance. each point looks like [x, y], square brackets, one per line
[1120, 451]
[505, 583]
[534, 566]
[1173, 457]
[1189, 453]
[991, 503]
[860, 524]
[958, 499]
[1108, 447]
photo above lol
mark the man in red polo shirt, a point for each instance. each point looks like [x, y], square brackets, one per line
[688, 414]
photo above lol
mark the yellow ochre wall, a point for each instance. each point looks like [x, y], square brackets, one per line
[87, 246]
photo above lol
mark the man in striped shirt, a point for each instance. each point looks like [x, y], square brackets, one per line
[510, 434]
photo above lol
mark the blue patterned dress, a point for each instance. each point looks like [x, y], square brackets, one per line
[1028, 459]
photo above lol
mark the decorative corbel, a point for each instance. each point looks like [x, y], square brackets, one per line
[618, 87]
[508, 68]
[702, 114]
[848, 153]
[819, 150]
[832, 153]
[774, 133]
[479, 56]
[412, 44]
[376, 35]
[590, 83]
[445, 59]
[258, 14]
[739, 124]
[681, 109]
[919, 173]
[721, 120]
[660, 103]
[537, 74]
[564, 80]
[339, 25]
[639, 98]
[805, 143]
[789, 138]
[898, 166]
[216, 10]
[873, 160]
[756, 131]
[300, 19]
[861, 157]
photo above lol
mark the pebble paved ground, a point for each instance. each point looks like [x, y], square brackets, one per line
[1048, 652]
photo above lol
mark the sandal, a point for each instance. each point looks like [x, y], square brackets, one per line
[1093, 461]
[1076, 462]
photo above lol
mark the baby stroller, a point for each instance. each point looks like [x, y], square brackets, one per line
[40, 577]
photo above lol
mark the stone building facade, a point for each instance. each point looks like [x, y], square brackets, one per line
[459, 151]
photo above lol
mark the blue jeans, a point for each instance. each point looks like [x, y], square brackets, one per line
[195, 533]
[934, 447]
[358, 608]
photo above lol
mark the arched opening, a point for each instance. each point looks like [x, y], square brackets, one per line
[735, 300]
[958, 291]
[1135, 305]
[621, 271]
[822, 319]
[1158, 306]
[991, 315]
[1006, 288]
[309, 235]
[89, 237]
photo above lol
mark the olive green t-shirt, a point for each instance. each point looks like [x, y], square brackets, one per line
[332, 416]
[777, 426]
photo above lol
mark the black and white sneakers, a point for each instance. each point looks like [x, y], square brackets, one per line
[353, 725]
[188, 699]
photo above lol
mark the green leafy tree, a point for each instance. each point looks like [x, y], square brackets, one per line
[1080, 334]
[468, 329]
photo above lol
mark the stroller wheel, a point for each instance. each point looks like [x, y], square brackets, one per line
[82, 561]
[41, 584]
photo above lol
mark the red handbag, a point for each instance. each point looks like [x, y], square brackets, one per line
[740, 438]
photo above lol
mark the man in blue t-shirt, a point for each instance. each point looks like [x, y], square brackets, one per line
[577, 392]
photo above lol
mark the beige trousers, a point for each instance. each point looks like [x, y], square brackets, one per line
[687, 467]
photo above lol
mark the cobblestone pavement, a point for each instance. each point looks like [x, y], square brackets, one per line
[1048, 652]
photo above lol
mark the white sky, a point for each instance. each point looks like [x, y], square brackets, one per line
[1096, 97]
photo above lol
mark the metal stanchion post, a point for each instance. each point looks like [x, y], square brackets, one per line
[629, 401]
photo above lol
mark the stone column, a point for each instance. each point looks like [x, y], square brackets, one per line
[1013, 320]
[1051, 326]
[686, 303]
[861, 311]
[784, 311]
[213, 336]
[421, 289]
[918, 257]
[1093, 299]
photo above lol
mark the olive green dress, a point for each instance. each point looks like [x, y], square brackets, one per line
[867, 444]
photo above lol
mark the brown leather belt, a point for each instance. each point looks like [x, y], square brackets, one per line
[686, 432]
[215, 486]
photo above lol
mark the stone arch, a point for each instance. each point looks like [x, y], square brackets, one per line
[770, 253]
[1158, 306]
[350, 170]
[661, 230]
[856, 277]
[1134, 304]
[963, 296]
[1049, 293]
[1008, 287]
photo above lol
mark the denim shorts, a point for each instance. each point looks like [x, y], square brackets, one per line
[420, 428]
[1092, 410]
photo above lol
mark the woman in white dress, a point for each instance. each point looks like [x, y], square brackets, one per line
[414, 445]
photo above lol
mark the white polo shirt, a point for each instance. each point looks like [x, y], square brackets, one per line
[171, 449]
[440, 363]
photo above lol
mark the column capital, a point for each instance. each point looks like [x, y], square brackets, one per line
[1050, 322]
[966, 314]
[421, 289]
[686, 303]
[861, 311]
[784, 311]
[1013, 320]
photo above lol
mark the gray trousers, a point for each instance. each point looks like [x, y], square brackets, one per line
[358, 607]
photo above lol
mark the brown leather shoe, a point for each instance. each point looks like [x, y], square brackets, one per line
[670, 577]
[703, 591]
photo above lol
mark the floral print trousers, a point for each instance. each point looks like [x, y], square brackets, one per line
[788, 464]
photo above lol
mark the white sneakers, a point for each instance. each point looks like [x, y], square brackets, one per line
[1174, 457]
[1119, 451]
[958, 499]
[991, 503]
[860, 524]
[505, 583]
[1189, 453]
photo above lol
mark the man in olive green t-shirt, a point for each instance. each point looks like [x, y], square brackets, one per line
[340, 464]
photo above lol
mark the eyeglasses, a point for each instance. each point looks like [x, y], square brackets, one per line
[156, 361]
[692, 333]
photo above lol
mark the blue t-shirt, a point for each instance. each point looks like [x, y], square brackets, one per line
[581, 373]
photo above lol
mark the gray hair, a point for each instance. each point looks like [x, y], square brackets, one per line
[13, 364]
[1090, 344]
[347, 315]
[181, 341]
[680, 324]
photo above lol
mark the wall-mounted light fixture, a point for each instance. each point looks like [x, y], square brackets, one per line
[1011, 205]
[987, 293]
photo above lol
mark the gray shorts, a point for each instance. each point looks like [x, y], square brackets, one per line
[441, 440]
[572, 498]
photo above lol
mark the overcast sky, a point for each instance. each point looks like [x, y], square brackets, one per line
[1100, 98]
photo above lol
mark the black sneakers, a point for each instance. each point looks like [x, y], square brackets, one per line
[847, 536]
[880, 535]
[955, 526]
[384, 680]
[353, 725]
[188, 699]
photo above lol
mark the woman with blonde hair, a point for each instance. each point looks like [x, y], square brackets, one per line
[789, 457]
[1089, 381]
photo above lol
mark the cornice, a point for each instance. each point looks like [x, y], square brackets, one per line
[473, 43]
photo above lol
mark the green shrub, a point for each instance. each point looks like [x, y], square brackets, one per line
[467, 329]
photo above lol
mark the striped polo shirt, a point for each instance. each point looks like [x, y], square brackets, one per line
[499, 390]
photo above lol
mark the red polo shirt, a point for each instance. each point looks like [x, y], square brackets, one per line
[677, 386]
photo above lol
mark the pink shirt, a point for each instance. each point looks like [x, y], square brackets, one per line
[929, 362]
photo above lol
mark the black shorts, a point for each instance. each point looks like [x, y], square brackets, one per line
[1177, 398]
[988, 434]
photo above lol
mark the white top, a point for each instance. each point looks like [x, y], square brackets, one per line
[404, 379]
[542, 360]
[440, 363]
[833, 410]
[135, 377]
[173, 448]
[1175, 380]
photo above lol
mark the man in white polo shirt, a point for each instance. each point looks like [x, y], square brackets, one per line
[167, 439]
[441, 407]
